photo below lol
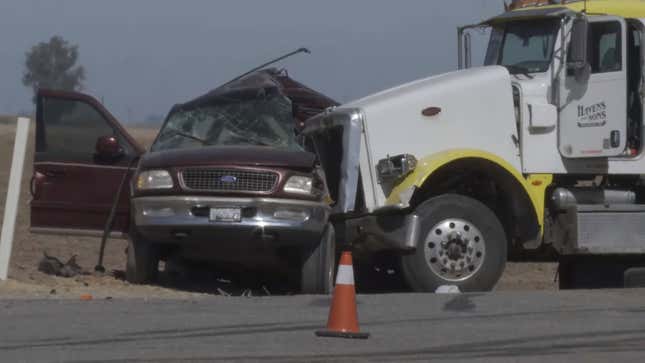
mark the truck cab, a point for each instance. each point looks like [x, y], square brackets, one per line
[574, 74]
[538, 151]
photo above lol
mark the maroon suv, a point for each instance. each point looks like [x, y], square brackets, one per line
[226, 180]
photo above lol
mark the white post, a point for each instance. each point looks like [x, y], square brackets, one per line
[13, 195]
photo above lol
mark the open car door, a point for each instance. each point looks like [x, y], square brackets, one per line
[82, 156]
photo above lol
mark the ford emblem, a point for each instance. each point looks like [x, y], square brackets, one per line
[228, 179]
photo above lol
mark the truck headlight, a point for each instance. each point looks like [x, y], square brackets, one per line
[395, 167]
[154, 179]
[299, 184]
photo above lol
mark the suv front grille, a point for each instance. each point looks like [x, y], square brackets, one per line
[229, 180]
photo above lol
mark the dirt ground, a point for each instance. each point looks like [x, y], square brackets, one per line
[26, 281]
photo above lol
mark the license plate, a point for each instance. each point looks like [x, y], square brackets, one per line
[226, 214]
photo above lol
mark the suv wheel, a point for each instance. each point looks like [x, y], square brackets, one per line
[317, 273]
[142, 265]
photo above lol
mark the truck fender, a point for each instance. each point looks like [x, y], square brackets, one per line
[532, 187]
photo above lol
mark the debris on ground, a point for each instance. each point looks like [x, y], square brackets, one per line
[447, 289]
[53, 266]
[222, 292]
[266, 291]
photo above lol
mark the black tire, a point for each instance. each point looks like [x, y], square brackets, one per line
[317, 272]
[480, 243]
[142, 266]
[598, 272]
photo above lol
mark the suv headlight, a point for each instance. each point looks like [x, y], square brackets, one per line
[299, 184]
[154, 179]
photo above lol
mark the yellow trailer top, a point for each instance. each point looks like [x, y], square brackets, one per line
[622, 8]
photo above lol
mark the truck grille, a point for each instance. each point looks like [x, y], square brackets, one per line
[224, 180]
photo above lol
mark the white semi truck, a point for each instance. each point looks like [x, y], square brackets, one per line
[540, 149]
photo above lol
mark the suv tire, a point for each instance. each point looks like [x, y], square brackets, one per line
[142, 265]
[317, 272]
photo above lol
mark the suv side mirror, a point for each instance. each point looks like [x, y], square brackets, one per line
[108, 148]
[577, 60]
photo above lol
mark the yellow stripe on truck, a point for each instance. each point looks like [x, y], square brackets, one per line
[534, 184]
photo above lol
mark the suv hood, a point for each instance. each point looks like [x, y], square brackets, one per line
[228, 155]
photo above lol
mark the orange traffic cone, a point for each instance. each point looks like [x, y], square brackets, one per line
[343, 317]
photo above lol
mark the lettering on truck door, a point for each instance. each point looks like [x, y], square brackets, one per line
[593, 114]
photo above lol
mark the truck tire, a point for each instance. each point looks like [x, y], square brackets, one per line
[461, 242]
[596, 271]
[142, 264]
[317, 273]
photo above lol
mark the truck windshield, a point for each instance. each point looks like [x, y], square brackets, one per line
[523, 46]
[254, 122]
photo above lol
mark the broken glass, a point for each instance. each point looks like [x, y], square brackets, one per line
[259, 116]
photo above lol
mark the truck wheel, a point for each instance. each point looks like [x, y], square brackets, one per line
[461, 243]
[142, 265]
[317, 273]
[593, 272]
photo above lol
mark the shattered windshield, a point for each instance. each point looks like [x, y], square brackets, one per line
[259, 121]
[523, 46]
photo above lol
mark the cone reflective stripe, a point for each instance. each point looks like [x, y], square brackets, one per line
[345, 275]
[343, 316]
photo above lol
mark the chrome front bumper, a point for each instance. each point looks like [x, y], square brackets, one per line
[177, 218]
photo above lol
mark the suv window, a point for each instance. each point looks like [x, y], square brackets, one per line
[71, 129]
[605, 47]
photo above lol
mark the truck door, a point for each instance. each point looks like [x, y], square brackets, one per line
[593, 113]
[82, 155]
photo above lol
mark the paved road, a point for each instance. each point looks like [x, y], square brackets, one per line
[527, 326]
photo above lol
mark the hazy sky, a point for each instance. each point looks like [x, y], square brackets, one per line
[142, 56]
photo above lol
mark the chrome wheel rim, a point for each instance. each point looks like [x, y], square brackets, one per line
[455, 249]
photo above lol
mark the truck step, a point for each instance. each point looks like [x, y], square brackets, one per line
[606, 229]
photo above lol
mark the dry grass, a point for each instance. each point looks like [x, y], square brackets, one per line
[6, 120]
[145, 136]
